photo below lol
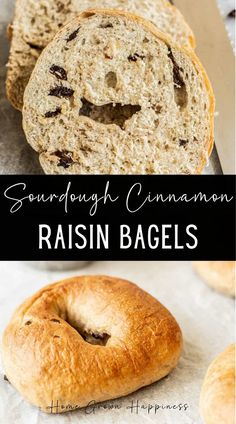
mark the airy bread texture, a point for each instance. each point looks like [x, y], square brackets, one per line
[217, 400]
[112, 95]
[36, 22]
[220, 275]
[90, 338]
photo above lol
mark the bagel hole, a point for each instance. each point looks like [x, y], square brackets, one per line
[90, 336]
[111, 113]
[95, 338]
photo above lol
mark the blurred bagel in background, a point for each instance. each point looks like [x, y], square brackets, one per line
[220, 275]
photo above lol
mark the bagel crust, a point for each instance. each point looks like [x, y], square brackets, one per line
[88, 339]
[217, 400]
[220, 275]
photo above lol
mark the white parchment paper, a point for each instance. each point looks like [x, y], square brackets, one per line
[206, 319]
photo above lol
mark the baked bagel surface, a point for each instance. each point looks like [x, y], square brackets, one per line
[217, 400]
[89, 338]
[220, 275]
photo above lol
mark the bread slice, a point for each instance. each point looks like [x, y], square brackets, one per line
[36, 22]
[112, 95]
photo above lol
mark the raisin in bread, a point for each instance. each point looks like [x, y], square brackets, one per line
[36, 22]
[112, 95]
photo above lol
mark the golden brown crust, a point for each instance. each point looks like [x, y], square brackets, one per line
[191, 37]
[217, 400]
[220, 275]
[47, 359]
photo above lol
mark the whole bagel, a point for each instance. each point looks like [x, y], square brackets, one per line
[217, 401]
[220, 275]
[89, 338]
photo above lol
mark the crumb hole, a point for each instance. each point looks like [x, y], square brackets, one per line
[158, 108]
[183, 143]
[28, 323]
[111, 113]
[111, 79]
[55, 320]
[180, 92]
[106, 25]
[181, 96]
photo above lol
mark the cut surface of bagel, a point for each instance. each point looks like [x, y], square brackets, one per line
[112, 95]
[90, 338]
[217, 401]
[36, 22]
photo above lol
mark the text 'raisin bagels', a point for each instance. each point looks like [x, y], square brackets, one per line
[88, 339]
[112, 95]
[217, 400]
[36, 22]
